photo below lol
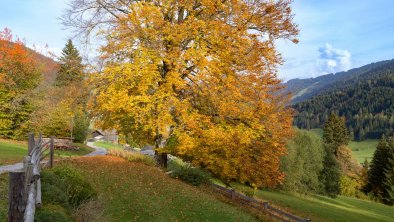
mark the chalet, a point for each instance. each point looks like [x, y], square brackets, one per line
[106, 135]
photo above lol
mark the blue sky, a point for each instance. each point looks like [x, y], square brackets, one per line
[335, 35]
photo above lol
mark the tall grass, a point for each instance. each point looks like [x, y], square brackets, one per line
[132, 156]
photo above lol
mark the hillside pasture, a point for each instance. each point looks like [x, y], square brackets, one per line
[363, 149]
[321, 208]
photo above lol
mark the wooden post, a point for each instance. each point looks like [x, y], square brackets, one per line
[52, 147]
[17, 203]
[38, 196]
[232, 194]
[28, 178]
[31, 143]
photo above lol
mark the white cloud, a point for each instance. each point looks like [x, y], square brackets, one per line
[332, 60]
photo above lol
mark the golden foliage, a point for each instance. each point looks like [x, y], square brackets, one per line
[202, 73]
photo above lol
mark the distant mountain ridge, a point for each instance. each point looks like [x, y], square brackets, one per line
[364, 96]
[303, 89]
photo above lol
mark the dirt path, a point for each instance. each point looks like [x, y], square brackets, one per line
[18, 166]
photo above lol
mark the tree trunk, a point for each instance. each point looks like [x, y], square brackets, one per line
[160, 157]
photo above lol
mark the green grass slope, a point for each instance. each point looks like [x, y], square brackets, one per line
[12, 151]
[363, 149]
[360, 149]
[321, 208]
[137, 192]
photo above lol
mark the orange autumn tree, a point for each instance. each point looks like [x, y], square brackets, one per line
[19, 75]
[199, 80]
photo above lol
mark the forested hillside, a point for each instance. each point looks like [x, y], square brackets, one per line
[365, 100]
[304, 89]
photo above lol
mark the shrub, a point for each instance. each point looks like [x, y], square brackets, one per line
[51, 213]
[54, 190]
[132, 156]
[78, 189]
[192, 175]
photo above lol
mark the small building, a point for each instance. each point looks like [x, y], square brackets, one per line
[106, 135]
[97, 135]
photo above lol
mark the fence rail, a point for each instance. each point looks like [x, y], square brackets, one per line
[260, 205]
[25, 185]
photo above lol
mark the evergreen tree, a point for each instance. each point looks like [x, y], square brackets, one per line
[364, 172]
[71, 68]
[331, 174]
[388, 183]
[380, 175]
[335, 133]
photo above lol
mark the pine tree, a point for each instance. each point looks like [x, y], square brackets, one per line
[381, 174]
[364, 172]
[335, 132]
[388, 183]
[331, 174]
[71, 68]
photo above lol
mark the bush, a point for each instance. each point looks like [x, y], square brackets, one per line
[78, 189]
[192, 175]
[54, 190]
[51, 213]
[132, 157]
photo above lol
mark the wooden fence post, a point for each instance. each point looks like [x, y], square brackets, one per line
[51, 147]
[31, 143]
[265, 205]
[232, 194]
[17, 200]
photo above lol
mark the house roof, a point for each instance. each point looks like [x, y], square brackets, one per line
[98, 132]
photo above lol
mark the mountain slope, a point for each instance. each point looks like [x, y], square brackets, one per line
[365, 99]
[303, 89]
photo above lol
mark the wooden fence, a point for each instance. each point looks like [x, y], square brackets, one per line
[25, 185]
[259, 205]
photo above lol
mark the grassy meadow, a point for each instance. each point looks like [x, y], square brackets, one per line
[12, 151]
[360, 149]
[363, 149]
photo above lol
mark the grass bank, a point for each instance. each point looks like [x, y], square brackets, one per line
[12, 151]
[138, 192]
[321, 208]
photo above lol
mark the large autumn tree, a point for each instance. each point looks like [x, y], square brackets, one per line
[20, 74]
[199, 75]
